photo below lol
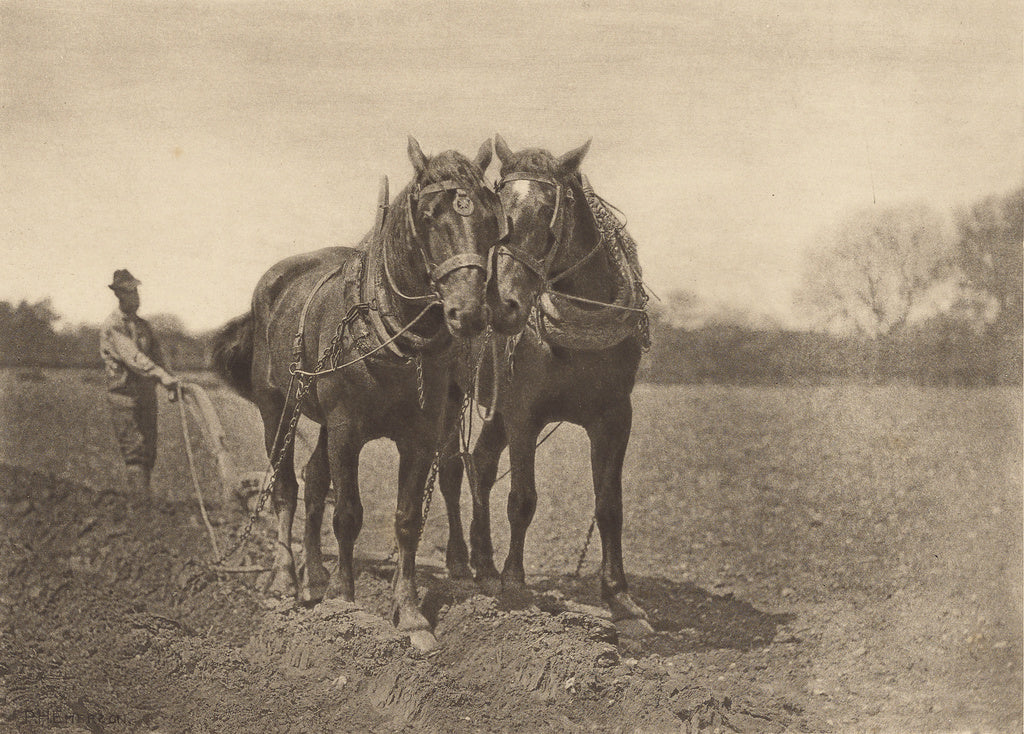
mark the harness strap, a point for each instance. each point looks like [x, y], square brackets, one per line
[384, 324]
[537, 178]
[579, 263]
[524, 258]
[298, 344]
[457, 262]
[369, 291]
[418, 193]
[445, 185]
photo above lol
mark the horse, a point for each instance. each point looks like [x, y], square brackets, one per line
[367, 335]
[576, 361]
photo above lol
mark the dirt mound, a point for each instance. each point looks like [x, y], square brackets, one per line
[496, 669]
[112, 625]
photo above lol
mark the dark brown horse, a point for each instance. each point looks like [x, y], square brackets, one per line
[576, 361]
[376, 324]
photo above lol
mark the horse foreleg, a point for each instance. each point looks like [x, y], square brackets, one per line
[522, 503]
[609, 437]
[313, 581]
[450, 483]
[343, 458]
[486, 454]
[284, 492]
[413, 467]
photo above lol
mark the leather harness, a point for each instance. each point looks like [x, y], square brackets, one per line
[374, 264]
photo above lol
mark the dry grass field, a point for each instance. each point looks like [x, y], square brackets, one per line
[842, 558]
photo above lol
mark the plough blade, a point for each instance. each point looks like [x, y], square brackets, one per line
[235, 486]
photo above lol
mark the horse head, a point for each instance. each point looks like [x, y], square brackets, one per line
[453, 219]
[537, 193]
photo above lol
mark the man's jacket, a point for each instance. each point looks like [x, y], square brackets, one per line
[131, 355]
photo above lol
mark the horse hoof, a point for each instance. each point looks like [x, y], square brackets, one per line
[514, 585]
[622, 606]
[423, 640]
[633, 627]
[516, 595]
[314, 584]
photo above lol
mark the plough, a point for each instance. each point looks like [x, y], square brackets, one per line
[235, 485]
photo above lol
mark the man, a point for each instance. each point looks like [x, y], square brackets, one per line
[134, 364]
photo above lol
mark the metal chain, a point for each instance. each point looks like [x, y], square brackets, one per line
[510, 353]
[431, 481]
[465, 434]
[435, 466]
[586, 545]
[428, 494]
[420, 392]
[268, 487]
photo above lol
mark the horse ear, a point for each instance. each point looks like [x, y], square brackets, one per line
[419, 161]
[483, 156]
[501, 148]
[570, 162]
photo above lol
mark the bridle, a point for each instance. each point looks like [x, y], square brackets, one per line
[464, 206]
[561, 228]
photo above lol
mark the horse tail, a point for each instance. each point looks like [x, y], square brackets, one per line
[232, 355]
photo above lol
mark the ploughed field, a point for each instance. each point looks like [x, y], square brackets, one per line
[812, 559]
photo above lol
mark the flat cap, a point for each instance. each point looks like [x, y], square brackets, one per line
[124, 281]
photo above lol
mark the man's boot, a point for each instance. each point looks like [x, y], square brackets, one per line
[138, 478]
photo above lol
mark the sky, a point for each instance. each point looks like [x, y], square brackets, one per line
[197, 143]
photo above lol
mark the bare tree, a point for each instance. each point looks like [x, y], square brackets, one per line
[27, 335]
[680, 309]
[875, 269]
[167, 323]
[990, 253]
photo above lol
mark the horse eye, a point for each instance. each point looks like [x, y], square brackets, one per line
[427, 212]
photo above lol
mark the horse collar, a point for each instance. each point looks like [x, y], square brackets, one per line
[382, 322]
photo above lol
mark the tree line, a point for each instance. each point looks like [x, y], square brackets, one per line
[891, 294]
[940, 351]
[30, 337]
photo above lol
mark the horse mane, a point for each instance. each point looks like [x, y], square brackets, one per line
[451, 164]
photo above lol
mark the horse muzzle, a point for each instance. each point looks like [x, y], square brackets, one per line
[462, 299]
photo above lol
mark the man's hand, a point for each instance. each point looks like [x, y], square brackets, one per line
[172, 384]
